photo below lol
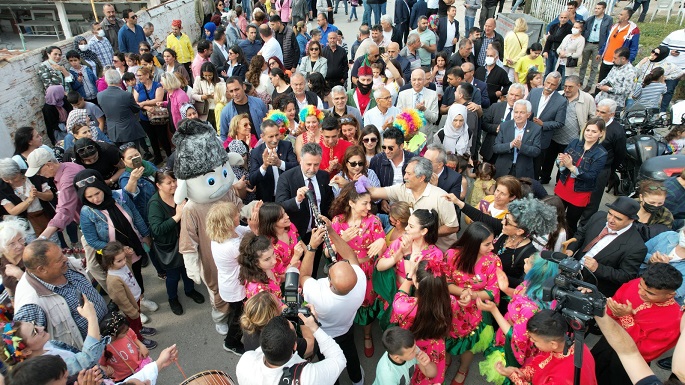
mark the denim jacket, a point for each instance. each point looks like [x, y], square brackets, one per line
[95, 224]
[146, 189]
[665, 243]
[590, 165]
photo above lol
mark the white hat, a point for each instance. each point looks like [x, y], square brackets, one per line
[37, 159]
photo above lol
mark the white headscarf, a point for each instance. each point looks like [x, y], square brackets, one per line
[456, 140]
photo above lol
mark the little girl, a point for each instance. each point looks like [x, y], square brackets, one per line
[676, 139]
[125, 354]
[116, 260]
[484, 184]
[257, 261]
[132, 61]
[353, 12]
[378, 76]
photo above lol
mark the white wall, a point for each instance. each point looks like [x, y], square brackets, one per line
[21, 92]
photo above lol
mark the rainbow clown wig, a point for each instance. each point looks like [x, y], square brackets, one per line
[409, 121]
[311, 110]
[280, 119]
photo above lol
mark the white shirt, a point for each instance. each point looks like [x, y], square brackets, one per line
[226, 259]
[604, 242]
[148, 372]
[272, 48]
[251, 369]
[274, 170]
[451, 32]
[127, 276]
[304, 103]
[398, 176]
[432, 4]
[222, 49]
[582, 11]
[387, 36]
[377, 118]
[543, 103]
[23, 193]
[336, 312]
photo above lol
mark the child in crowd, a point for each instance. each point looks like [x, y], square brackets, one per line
[547, 329]
[129, 80]
[437, 74]
[257, 261]
[116, 260]
[132, 61]
[396, 367]
[379, 77]
[676, 139]
[484, 184]
[533, 60]
[125, 354]
[465, 168]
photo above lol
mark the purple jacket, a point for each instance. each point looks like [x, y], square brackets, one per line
[68, 204]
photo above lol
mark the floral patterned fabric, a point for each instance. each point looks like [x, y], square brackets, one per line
[519, 311]
[254, 288]
[284, 251]
[431, 253]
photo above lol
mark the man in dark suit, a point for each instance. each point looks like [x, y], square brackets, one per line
[517, 143]
[610, 247]
[269, 161]
[493, 118]
[293, 186]
[390, 164]
[448, 31]
[495, 78]
[121, 111]
[549, 112]
[463, 54]
[443, 176]
[402, 14]
[469, 71]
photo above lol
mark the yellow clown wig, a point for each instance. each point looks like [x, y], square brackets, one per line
[409, 121]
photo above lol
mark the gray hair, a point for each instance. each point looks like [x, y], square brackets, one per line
[524, 102]
[112, 78]
[442, 154]
[518, 86]
[231, 16]
[422, 168]
[297, 75]
[338, 90]
[413, 38]
[10, 228]
[311, 149]
[8, 168]
[608, 103]
[148, 25]
[575, 79]
[377, 93]
[554, 74]
[463, 42]
[387, 18]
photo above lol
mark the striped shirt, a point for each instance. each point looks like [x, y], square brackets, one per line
[103, 50]
[650, 96]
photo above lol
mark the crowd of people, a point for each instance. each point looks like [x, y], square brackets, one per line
[409, 167]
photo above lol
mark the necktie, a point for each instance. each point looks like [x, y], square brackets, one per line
[508, 117]
[601, 235]
[418, 98]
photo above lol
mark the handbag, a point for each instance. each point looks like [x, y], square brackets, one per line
[571, 62]
[202, 106]
[158, 116]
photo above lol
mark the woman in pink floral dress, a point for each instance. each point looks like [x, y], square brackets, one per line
[428, 314]
[257, 261]
[471, 274]
[364, 233]
[274, 223]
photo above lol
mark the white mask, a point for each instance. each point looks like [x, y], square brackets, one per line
[489, 61]
[101, 33]
[83, 47]
[575, 31]
[681, 239]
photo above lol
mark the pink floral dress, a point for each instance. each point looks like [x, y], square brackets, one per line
[284, 251]
[468, 319]
[431, 253]
[371, 230]
[519, 311]
[254, 288]
[404, 310]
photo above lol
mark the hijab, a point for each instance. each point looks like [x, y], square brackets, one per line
[211, 27]
[452, 135]
[85, 142]
[87, 54]
[663, 54]
[184, 110]
[77, 116]
[54, 96]
[123, 228]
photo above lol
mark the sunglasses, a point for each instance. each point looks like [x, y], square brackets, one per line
[133, 17]
[655, 188]
[369, 140]
[389, 148]
[356, 164]
[86, 150]
[84, 182]
[345, 120]
[314, 49]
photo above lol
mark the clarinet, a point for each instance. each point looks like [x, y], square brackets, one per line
[319, 223]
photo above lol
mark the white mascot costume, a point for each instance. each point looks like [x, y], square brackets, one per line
[204, 173]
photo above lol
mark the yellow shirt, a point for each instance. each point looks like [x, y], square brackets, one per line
[182, 46]
[515, 46]
[524, 65]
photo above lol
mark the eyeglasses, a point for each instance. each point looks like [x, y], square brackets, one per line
[508, 222]
[356, 164]
[345, 120]
[17, 244]
[86, 150]
[84, 182]
[314, 49]
[369, 140]
[389, 148]
[34, 332]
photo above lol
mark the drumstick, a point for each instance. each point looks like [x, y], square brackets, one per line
[181, 370]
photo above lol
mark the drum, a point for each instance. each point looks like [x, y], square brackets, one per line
[210, 377]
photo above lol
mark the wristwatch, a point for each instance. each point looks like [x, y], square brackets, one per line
[407, 277]
[310, 248]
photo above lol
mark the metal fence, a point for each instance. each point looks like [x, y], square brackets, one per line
[548, 10]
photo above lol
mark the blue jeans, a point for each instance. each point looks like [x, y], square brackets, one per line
[376, 9]
[550, 62]
[173, 276]
[366, 17]
[338, 2]
[468, 23]
[666, 99]
[354, 13]
[384, 9]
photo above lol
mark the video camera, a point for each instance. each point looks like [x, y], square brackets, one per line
[292, 297]
[577, 307]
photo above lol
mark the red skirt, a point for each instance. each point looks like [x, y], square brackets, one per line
[565, 192]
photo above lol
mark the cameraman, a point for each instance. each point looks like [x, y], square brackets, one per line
[639, 372]
[276, 359]
[337, 297]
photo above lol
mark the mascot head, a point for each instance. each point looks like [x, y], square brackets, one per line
[202, 166]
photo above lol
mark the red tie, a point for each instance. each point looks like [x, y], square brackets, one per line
[601, 235]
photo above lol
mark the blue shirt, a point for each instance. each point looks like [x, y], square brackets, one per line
[249, 48]
[324, 34]
[595, 31]
[129, 40]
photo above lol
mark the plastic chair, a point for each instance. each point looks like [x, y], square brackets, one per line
[665, 5]
[681, 12]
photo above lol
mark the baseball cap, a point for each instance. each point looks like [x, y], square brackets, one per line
[37, 159]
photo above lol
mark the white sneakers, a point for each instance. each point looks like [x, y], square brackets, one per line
[150, 305]
[144, 319]
[221, 328]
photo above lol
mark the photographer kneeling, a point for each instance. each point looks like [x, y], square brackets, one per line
[277, 352]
